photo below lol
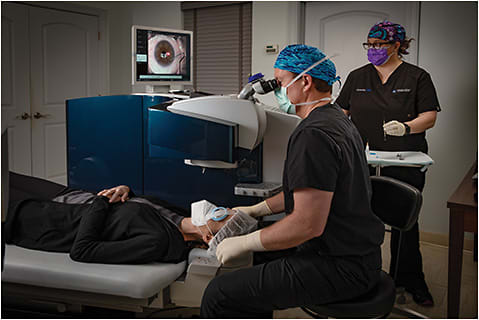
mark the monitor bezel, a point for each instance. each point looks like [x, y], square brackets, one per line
[134, 81]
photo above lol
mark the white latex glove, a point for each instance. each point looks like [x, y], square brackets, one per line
[258, 210]
[233, 247]
[394, 128]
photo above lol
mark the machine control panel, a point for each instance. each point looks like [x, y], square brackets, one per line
[264, 189]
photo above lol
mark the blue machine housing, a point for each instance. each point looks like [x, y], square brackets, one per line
[173, 135]
[104, 142]
[113, 140]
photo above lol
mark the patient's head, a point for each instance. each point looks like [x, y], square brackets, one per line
[237, 224]
[211, 228]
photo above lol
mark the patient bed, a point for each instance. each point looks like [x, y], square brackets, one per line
[53, 279]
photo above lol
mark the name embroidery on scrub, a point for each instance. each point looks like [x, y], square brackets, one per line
[363, 90]
[405, 90]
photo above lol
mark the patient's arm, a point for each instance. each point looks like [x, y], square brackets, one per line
[89, 247]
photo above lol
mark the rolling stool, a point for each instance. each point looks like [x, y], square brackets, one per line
[377, 303]
[397, 204]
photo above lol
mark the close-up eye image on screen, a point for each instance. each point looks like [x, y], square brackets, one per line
[166, 53]
[162, 55]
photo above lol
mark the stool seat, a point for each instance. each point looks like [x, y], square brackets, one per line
[376, 303]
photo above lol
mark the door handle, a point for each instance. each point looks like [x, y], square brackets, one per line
[23, 116]
[38, 115]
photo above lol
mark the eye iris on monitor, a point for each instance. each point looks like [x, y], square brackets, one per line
[161, 56]
[164, 53]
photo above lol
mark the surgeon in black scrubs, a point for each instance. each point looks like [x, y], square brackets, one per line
[332, 236]
[393, 103]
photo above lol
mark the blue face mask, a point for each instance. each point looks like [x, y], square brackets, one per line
[282, 93]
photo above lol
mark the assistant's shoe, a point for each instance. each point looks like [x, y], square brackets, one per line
[421, 296]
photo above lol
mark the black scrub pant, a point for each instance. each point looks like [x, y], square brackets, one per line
[25, 187]
[300, 278]
[410, 274]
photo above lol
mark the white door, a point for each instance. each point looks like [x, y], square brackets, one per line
[16, 86]
[341, 27]
[64, 62]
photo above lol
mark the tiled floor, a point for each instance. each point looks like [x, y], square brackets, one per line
[435, 268]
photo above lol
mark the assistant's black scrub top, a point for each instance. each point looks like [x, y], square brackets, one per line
[408, 92]
[325, 152]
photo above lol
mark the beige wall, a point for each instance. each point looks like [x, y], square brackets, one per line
[273, 23]
[448, 51]
[121, 16]
[276, 23]
[447, 46]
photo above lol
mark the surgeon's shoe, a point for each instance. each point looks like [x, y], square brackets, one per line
[421, 296]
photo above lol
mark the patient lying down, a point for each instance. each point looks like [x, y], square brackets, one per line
[113, 226]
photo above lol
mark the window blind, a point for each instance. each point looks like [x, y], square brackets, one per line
[222, 45]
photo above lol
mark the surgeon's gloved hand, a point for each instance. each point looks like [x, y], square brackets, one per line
[394, 128]
[231, 248]
[258, 210]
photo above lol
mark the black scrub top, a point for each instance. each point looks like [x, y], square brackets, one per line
[408, 92]
[325, 152]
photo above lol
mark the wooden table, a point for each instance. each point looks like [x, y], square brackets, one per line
[462, 218]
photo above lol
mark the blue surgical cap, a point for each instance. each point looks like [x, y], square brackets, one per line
[298, 57]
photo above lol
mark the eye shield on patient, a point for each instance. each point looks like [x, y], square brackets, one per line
[239, 224]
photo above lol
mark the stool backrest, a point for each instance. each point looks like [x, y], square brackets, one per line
[396, 203]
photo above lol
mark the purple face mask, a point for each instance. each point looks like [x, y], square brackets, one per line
[378, 56]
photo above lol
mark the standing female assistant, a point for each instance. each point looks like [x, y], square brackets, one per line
[393, 103]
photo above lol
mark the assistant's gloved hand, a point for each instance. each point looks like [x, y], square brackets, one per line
[258, 210]
[394, 128]
[233, 247]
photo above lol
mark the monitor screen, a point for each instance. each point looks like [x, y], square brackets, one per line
[162, 56]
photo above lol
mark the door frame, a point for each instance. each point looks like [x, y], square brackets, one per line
[103, 45]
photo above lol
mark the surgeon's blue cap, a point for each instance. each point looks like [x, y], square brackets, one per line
[298, 57]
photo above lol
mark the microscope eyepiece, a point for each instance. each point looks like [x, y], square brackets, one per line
[265, 86]
[269, 85]
[257, 85]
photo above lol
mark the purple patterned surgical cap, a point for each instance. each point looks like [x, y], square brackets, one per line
[386, 30]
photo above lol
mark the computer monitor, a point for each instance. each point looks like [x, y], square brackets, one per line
[162, 57]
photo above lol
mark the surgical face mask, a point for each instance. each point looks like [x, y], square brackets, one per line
[286, 105]
[240, 223]
[379, 56]
[283, 101]
[282, 93]
[202, 211]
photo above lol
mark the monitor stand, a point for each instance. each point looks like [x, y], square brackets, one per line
[163, 88]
